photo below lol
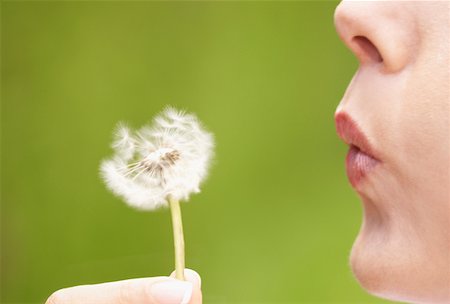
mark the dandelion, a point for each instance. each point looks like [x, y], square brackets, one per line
[160, 165]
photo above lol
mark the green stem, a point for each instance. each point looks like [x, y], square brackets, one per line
[178, 238]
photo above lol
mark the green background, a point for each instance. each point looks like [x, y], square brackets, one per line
[275, 220]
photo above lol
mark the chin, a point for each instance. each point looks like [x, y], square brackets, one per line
[389, 261]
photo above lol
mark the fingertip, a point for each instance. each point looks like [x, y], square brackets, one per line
[191, 276]
[171, 291]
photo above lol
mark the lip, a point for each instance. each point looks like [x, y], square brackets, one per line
[360, 158]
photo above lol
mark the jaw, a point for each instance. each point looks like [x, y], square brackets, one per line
[393, 256]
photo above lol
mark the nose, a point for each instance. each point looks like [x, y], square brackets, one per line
[380, 33]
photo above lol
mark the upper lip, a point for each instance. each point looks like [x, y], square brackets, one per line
[351, 134]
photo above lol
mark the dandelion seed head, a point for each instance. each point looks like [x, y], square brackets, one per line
[170, 157]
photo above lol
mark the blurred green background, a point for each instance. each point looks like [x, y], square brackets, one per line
[276, 219]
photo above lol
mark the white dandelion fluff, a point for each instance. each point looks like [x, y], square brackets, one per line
[160, 165]
[166, 160]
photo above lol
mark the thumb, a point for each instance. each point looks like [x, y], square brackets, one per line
[157, 290]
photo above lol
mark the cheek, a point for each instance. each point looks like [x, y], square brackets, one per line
[424, 116]
[424, 121]
[422, 139]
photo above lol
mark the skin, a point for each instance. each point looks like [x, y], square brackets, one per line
[155, 290]
[399, 97]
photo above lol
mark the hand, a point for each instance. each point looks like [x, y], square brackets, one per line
[156, 290]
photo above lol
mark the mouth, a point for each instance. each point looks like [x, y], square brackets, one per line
[360, 160]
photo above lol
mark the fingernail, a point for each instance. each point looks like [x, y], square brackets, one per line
[171, 292]
[193, 276]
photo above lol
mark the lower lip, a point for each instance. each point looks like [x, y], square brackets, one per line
[358, 165]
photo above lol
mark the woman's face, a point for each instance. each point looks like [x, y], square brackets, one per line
[395, 116]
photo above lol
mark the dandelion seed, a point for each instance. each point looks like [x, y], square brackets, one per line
[160, 165]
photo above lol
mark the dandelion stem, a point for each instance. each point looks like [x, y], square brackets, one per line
[178, 237]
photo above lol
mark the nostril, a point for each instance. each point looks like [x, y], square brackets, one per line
[365, 50]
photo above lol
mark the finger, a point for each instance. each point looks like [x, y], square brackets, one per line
[193, 277]
[157, 290]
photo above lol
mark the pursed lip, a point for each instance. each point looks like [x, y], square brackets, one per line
[360, 158]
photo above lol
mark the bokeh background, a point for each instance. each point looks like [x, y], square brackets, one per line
[276, 219]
